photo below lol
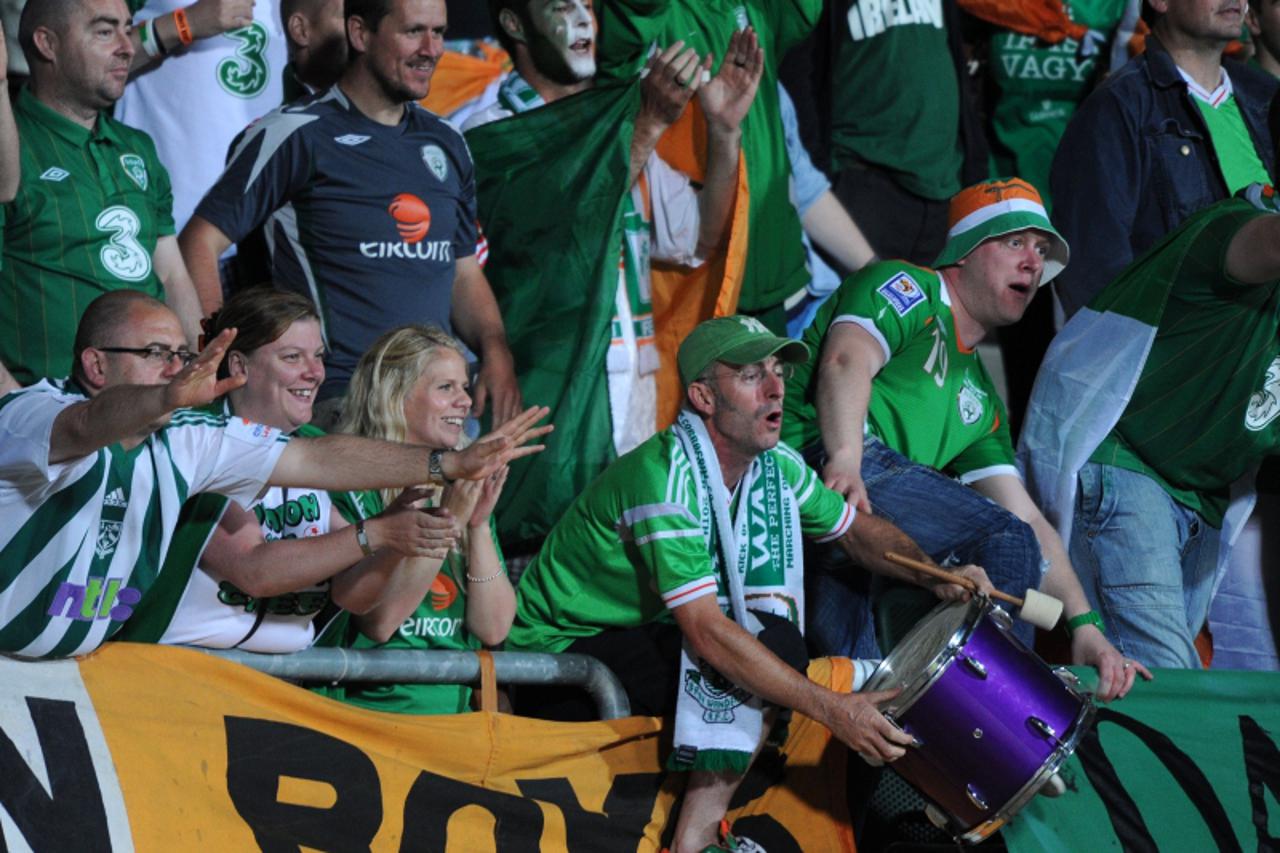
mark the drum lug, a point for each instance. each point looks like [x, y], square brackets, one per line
[976, 798]
[936, 817]
[1042, 727]
[1067, 677]
[975, 666]
[1001, 617]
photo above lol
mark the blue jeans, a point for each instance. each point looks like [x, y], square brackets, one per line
[1146, 563]
[951, 522]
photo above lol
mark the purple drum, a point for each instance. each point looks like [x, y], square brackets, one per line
[992, 721]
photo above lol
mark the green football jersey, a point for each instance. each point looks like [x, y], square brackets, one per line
[90, 207]
[1039, 87]
[895, 99]
[1206, 408]
[1232, 143]
[634, 545]
[933, 400]
[439, 622]
[775, 266]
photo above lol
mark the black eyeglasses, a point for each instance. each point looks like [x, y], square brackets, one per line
[160, 355]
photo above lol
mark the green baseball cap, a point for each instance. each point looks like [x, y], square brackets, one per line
[998, 207]
[734, 340]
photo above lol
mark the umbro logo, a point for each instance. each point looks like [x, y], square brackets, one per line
[350, 139]
[53, 173]
[116, 499]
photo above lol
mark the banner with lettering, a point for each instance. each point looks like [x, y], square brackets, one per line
[1190, 761]
[159, 748]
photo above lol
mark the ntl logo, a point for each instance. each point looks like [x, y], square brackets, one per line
[91, 601]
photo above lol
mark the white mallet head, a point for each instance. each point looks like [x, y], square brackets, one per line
[1040, 610]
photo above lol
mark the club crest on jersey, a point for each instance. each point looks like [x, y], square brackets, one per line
[435, 160]
[108, 538]
[971, 401]
[136, 169]
[902, 292]
[1264, 405]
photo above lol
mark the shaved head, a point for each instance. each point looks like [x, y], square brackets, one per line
[51, 14]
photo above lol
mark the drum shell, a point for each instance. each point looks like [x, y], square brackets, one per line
[976, 732]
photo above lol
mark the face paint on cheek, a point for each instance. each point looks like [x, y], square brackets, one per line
[565, 29]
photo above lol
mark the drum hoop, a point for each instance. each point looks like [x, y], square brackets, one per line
[934, 670]
[1064, 750]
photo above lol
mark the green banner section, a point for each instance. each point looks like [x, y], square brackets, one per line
[1189, 761]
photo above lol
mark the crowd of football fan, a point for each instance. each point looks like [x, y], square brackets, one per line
[293, 291]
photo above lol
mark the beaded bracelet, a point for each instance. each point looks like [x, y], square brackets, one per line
[473, 579]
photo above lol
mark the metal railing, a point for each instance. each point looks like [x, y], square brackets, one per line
[441, 667]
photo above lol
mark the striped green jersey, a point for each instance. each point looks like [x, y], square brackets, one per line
[81, 541]
[634, 545]
[90, 207]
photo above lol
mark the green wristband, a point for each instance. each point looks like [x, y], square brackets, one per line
[1090, 617]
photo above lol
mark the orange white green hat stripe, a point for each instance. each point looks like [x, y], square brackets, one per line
[994, 208]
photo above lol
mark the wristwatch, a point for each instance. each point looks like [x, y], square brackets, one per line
[363, 539]
[434, 466]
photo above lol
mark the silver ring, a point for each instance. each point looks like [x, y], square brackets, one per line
[1128, 664]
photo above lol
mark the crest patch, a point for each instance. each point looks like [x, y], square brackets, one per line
[435, 160]
[972, 402]
[1264, 405]
[902, 292]
[136, 168]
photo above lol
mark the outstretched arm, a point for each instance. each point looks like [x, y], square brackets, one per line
[126, 412]
[1253, 256]
[725, 102]
[671, 78]
[744, 660]
[205, 18]
[347, 462]
[850, 359]
[1088, 645]
[202, 244]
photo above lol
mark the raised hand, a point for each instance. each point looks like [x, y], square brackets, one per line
[727, 97]
[491, 490]
[198, 383]
[492, 451]
[671, 78]
[214, 17]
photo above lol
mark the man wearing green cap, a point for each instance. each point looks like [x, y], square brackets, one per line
[900, 403]
[681, 568]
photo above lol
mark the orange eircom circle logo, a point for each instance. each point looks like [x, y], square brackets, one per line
[443, 592]
[412, 216]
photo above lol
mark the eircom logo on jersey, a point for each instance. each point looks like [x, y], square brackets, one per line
[442, 595]
[412, 220]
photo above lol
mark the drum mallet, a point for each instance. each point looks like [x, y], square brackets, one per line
[1039, 609]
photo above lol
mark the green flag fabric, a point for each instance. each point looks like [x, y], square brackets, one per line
[1190, 761]
[550, 187]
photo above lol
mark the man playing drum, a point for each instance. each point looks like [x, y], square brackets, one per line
[681, 568]
[899, 397]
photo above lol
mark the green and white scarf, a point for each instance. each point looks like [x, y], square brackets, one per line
[758, 553]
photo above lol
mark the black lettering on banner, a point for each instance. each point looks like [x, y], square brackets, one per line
[71, 816]
[259, 752]
[433, 799]
[1262, 767]
[1126, 819]
[627, 810]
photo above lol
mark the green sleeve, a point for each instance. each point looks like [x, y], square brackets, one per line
[824, 514]
[892, 297]
[792, 21]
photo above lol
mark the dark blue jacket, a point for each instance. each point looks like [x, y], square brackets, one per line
[1136, 161]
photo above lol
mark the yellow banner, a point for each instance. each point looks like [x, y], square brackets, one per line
[158, 748]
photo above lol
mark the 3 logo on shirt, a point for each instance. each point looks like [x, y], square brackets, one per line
[412, 218]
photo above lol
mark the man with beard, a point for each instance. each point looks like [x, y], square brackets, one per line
[317, 44]
[552, 46]
[370, 205]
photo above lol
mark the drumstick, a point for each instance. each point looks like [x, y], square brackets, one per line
[1039, 609]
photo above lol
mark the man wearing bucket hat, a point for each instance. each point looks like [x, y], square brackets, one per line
[899, 404]
[681, 568]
